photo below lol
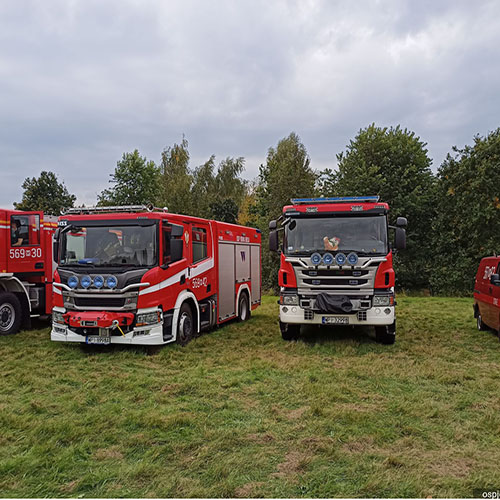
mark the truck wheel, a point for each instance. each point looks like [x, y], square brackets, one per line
[243, 307]
[289, 332]
[10, 313]
[185, 325]
[482, 327]
[386, 334]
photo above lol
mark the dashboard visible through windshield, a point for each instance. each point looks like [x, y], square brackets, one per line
[109, 246]
[363, 235]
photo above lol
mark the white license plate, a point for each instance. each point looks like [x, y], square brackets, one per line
[335, 320]
[97, 340]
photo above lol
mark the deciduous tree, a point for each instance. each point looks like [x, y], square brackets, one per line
[45, 193]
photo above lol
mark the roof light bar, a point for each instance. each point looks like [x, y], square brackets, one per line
[339, 199]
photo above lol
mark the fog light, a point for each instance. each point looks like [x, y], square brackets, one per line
[294, 310]
[377, 311]
[285, 309]
[387, 310]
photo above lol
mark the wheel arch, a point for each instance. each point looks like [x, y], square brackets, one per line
[189, 298]
[244, 288]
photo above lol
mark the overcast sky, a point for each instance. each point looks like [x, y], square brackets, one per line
[81, 82]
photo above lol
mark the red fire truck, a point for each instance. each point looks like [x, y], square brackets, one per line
[336, 264]
[26, 267]
[129, 275]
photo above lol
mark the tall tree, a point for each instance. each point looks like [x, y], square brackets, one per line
[45, 193]
[467, 225]
[176, 179]
[136, 182]
[286, 174]
[394, 164]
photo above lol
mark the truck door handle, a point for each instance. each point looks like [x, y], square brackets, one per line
[39, 265]
[183, 279]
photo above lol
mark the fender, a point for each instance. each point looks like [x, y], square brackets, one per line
[243, 286]
[10, 283]
[181, 298]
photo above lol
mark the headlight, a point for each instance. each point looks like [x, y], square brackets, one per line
[150, 318]
[328, 259]
[57, 317]
[86, 281]
[352, 258]
[381, 300]
[73, 281]
[316, 259]
[289, 300]
[98, 281]
[111, 282]
[340, 259]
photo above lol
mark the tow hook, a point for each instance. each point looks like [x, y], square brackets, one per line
[115, 324]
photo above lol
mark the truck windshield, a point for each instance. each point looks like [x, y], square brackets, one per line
[363, 235]
[115, 246]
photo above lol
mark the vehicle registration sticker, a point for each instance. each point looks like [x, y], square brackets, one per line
[335, 320]
[97, 340]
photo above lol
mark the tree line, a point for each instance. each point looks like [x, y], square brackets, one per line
[453, 215]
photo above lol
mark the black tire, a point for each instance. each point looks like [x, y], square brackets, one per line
[481, 326]
[10, 313]
[386, 334]
[185, 325]
[243, 308]
[289, 332]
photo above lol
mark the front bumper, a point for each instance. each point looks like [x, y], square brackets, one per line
[150, 335]
[384, 315]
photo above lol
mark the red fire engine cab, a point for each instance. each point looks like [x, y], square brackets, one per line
[336, 264]
[127, 275]
[26, 267]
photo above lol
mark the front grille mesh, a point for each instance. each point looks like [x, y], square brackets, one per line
[103, 302]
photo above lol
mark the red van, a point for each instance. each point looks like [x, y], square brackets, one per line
[487, 294]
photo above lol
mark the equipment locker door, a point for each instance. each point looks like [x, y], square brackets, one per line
[255, 273]
[227, 299]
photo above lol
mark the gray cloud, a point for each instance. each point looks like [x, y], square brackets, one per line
[83, 81]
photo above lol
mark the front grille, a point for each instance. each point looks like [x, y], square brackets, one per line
[103, 302]
[308, 314]
[335, 282]
[361, 315]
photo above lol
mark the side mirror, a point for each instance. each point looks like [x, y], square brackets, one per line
[55, 245]
[401, 222]
[273, 241]
[495, 279]
[176, 249]
[273, 225]
[400, 238]
[177, 231]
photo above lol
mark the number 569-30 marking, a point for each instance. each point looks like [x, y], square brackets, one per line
[22, 253]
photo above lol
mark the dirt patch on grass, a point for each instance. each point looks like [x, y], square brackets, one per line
[69, 487]
[297, 413]
[112, 453]
[294, 464]
[247, 490]
[261, 438]
[365, 445]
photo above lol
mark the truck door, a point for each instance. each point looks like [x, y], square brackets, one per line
[202, 270]
[26, 254]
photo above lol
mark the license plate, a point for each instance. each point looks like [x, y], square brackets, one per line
[97, 340]
[335, 320]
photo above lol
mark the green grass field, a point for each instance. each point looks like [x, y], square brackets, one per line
[239, 412]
